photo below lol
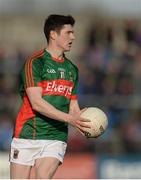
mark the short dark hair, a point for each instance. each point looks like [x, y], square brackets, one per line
[56, 22]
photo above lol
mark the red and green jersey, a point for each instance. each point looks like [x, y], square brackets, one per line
[58, 79]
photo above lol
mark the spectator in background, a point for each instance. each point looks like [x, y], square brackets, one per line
[5, 131]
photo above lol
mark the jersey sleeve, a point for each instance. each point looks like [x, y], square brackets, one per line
[74, 91]
[31, 74]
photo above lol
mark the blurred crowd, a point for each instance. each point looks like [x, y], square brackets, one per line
[109, 73]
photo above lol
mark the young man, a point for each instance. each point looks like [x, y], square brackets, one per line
[48, 90]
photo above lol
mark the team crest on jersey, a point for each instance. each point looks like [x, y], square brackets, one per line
[62, 72]
[16, 152]
[71, 76]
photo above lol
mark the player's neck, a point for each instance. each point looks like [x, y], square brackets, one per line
[55, 52]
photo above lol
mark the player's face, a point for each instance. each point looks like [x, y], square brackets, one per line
[65, 38]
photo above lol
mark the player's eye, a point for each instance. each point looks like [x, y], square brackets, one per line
[70, 32]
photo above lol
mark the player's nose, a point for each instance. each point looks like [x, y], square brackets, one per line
[72, 37]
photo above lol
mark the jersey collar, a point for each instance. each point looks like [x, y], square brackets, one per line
[53, 58]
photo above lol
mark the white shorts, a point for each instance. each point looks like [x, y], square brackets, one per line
[26, 151]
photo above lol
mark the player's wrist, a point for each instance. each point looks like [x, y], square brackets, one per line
[70, 119]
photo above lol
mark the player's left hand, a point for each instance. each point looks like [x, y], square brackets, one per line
[80, 131]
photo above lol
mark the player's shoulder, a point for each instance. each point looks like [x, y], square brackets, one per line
[71, 63]
[35, 57]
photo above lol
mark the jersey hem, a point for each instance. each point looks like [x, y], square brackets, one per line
[63, 140]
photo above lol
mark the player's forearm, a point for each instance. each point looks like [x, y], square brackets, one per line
[50, 111]
[74, 107]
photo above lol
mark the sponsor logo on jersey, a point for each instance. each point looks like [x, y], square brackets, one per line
[57, 87]
[51, 71]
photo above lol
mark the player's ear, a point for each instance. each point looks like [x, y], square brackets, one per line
[53, 35]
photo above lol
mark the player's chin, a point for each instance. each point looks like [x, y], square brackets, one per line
[68, 48]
